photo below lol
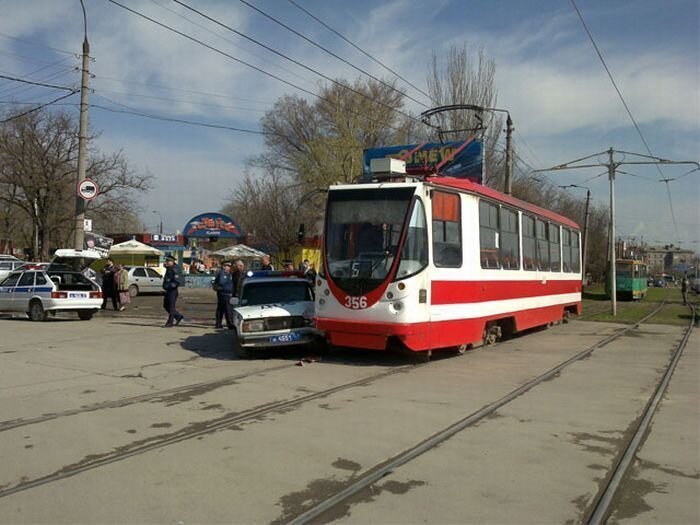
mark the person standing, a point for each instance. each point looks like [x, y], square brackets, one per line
[685, 284]
[122, 283]
[238, 276]
[266, 264]
[224, 285]
[109, 291]
[171, 282]
[310, 273]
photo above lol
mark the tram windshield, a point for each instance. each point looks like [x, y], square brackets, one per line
[363, 231]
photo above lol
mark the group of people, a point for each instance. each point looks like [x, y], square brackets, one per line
[115, 286]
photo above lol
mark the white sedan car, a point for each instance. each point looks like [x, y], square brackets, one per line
[273, 312]
[61, 287]
[144, 280]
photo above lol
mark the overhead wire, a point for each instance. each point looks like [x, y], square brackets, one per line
[53, 86]
[252, 66]
[629, 112]
[301, 64]
[29, 42]
[324, 49]
[368, 55]
[9, 90]
[19, 115]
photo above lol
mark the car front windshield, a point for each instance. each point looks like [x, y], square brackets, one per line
[275, 292]
[363, 231]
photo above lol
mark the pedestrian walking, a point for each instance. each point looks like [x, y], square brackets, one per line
[310, 273]
[171, 282]
[224, 286]
[685, 284]
[122, 282]
[109, 291]
[266, 264]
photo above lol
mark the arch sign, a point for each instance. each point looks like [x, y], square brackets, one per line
[88, 189]
[209, 225]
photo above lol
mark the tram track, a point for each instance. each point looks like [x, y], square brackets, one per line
[317, 510]
[192, 431]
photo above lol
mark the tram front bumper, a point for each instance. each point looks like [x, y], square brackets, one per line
[373, 336]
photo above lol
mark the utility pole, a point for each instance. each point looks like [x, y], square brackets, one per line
[613, 254]
[82, 139]
[585, 227]
[612, 165]
[509, 156]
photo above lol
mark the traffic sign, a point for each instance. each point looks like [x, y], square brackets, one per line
[88, 189]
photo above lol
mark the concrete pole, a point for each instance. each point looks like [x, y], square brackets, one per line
[82, 147]
[585, 235]
[612, 276]
[509, 156]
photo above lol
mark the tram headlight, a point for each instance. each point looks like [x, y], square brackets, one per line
[326, 292]
[398, 306]
[321, 301]
[389, 295]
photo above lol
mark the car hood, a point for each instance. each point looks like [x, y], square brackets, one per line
[263, 311]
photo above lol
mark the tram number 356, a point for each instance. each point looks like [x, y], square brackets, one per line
[355, 303]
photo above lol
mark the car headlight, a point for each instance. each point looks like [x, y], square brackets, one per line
[254, 326]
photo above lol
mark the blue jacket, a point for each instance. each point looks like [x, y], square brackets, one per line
[173, 278]
[223, 282]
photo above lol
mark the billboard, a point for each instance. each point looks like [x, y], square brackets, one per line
[460, 159]
[208, 225]
[97, 243]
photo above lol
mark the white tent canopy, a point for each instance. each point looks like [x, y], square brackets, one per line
[238, 251]
[134, 247]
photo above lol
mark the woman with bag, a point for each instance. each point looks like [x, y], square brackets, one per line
[121, 281]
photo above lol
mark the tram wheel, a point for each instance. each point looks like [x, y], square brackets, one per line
[461, 349]
[492, 334]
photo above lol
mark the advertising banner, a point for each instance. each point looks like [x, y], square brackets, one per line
[461, 159]
[212, 225]
[97, 243]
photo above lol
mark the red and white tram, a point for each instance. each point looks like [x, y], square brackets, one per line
[441, 263]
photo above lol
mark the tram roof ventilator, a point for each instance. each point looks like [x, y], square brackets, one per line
[390, 170]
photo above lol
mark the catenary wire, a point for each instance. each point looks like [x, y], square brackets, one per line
[29, 42]
[314, 17]
[9, 90]
[14, 117]
[328, 51]
[301, 64]
[629, 113]
[256, 68]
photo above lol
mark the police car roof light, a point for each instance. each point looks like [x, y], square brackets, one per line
[269, 273]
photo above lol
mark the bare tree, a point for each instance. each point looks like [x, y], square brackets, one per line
[38, 166]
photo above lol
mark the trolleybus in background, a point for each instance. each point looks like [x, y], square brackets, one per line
[438, 262]
[631, 279]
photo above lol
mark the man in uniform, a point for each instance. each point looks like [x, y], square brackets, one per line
[224, 286]
[171, 282]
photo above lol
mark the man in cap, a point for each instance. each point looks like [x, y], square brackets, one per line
[224, 286]
[171, 282]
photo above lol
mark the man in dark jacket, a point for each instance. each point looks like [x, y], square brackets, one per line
[224, 286]
[171, 282]
[109, 290]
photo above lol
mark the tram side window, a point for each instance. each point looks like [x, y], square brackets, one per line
[447, 231]
[510, 249]
[529, 244]
[566, 249]
[554, 249]
[489, 235]
[542, 246]
[575, 253]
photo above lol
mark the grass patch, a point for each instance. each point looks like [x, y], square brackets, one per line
[596, 307]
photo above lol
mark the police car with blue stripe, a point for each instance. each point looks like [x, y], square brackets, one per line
[60, 287]
[273, 310]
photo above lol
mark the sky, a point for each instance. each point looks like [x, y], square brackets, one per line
[548, 76]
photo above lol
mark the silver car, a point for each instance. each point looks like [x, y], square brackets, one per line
[144, 280]
[7, 265]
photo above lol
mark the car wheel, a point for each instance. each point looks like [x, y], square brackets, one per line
[133, 290]
[84, 316]
[241, 353]
[37, 312]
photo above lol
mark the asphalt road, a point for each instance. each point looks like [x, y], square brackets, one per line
[118, 420]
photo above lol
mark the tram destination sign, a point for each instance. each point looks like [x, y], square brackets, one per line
[460, 159]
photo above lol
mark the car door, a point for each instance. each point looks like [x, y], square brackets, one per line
[7, 289]
[155, 281]
[23, 292]
[140, 279]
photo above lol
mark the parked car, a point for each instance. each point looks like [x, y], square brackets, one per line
[273, 311]
[144, 280]
[7, 265]
[695, 284]
[59, 288]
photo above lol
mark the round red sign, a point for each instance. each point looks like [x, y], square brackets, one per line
[88, 189]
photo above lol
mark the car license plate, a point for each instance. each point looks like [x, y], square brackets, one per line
[285, 338]
[77, 295]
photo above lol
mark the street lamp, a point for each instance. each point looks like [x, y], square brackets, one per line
[425, 116]
[585, 226]
[160, 229]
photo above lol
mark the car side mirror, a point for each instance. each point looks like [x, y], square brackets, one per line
[234, 301]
